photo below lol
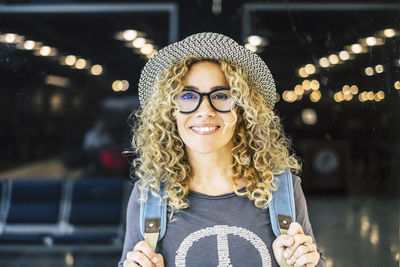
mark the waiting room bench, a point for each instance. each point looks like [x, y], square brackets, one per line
[63, 213]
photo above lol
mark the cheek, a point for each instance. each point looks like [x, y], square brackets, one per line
[180, 122]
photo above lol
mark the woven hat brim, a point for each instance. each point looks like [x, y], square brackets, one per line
[209, 46]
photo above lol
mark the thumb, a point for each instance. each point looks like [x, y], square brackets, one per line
[158, 260]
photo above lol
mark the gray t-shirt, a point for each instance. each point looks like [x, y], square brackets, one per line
[224, 230]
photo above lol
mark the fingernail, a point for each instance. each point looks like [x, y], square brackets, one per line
[155, 259]
[285, 254]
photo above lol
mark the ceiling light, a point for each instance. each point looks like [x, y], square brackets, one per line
[362, 97]
[371, 41]
[117, 86]
[70, 60]
[346, 90]
[96, 69]
[298, 90]
[324, 62]
[10, 37]
[80, 63]
[278, 97]
[314, 84]
[356, 48]
[255, 40]
[146, 49]
[397, 85]
[303, 73]
[333, 59]
[344, 55]
[338, 97]
[370, 95]
[45, 51]
[315, 96]
[379, 68]
[380, 94]
[354, 89]
[348, 97]
[306, 84]
[389, 33]
[129, 35]
[310, 68]
[29, 45]
[139, 42]
[125, 85]
[369, 71]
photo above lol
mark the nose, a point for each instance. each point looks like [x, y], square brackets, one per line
[205, 109]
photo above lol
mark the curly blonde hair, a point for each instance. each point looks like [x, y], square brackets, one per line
[260, 147]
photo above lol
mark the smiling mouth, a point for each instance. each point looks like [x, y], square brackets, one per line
[204, 130]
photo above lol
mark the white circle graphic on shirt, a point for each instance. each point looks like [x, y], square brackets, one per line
[222, 232]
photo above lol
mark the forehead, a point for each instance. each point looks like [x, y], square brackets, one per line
[205, 73]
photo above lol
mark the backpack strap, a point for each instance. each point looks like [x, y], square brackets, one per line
[153, 215]
[282, 208]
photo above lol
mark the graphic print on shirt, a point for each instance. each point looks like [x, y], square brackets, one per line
[222, 232]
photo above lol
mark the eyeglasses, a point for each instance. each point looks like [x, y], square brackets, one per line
[220, 99]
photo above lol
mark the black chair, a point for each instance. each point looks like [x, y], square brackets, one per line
[33, 210]
[94, 211]
[34, 201]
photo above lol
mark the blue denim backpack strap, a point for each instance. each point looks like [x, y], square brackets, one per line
[153, 215]
[282, 208]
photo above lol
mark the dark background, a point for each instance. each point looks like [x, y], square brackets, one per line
[350, 156]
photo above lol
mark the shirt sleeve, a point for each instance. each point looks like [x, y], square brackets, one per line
[302, 215]
[132, 234]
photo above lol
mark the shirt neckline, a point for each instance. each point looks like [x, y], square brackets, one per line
[222, 196]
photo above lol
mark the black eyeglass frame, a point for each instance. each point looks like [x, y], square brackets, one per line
[208, 98]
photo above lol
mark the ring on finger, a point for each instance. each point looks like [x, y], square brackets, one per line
[309, 246]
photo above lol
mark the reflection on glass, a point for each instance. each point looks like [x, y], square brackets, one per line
[374, 237]
[365, 224]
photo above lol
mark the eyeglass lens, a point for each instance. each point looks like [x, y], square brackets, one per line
[190, 100]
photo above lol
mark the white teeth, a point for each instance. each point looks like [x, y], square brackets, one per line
[204, 129]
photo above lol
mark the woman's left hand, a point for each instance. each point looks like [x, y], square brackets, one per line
[297, 248]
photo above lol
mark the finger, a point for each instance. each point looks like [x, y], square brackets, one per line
[300, 251]
[310, 259]
[295, 228]
[280, 243]
[128, 263]
[138, 257]
[145, 249]
[299, 239]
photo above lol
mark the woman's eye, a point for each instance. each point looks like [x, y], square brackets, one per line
[188, 96]
[221, 96]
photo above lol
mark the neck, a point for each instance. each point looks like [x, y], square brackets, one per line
[212, 172]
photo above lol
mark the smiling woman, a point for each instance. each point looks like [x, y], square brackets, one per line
[208, 137]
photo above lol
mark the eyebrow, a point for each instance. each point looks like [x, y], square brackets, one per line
[212, 88]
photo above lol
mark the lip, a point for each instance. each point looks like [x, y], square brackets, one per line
[205, 132]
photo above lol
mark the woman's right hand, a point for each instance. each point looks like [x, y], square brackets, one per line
[143, 255]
